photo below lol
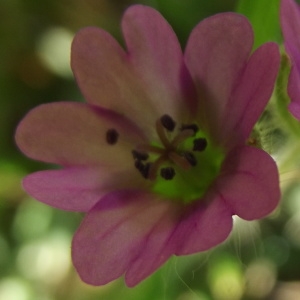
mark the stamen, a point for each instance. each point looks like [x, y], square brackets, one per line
[149, 148]
[167, 173]
[143, 168]
[181, 137]
[140, 155]
[168, 153]
[139, 165]
[161, 133]
[179, 160]
[112, 136]
[194, 127]
[146, 170]
[155, 166]
[200, 144]
[190, 157]
[168, 122]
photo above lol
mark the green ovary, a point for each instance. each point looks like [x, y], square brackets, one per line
[188, 186]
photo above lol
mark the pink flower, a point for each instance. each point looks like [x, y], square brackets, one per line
[159, 157]
[290, 23]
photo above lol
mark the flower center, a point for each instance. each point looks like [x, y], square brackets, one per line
[162, 159]
[181, 165]
[184, 162]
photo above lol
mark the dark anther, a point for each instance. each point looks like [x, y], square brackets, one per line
[167, 173]
[139, 155]
[112, 136]
[194, 127]
[146, 170]
[143, 168]
[190, 157]
[139, 165]
[200, 144]
[168, 122]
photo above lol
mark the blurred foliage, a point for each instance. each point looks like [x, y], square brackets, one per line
[264, 17]
[259, 261]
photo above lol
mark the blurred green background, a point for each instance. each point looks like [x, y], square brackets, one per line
[260, 260]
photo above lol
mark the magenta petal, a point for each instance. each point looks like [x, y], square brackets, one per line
[206, 224]
[70, 189]
[120, 232]
[216, 54]
[156, 247]
[294, 91]
[107, 79]
[78, 188]
[69, 133]
[251, 95]
[290, 23]
[150, 78]
[249, 183]
[157, 58]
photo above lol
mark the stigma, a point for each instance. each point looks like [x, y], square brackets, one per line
[171, 153]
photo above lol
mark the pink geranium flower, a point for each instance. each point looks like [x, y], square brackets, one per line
[290, 23]
[159, 157]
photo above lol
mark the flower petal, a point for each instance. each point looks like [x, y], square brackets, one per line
[249, 182]
[294, 92]
[79, 188]
[75, 134]
[157, 58]
[125, 231]
[290, 24]
[143, 84]
[251, 95]
[107, 79]
[216, 55]
[205, 225]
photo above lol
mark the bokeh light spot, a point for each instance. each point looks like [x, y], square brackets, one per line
[32, 219]
[13, 288]
[260, 278]
[54, 50]
[225, 278]
[46, 260]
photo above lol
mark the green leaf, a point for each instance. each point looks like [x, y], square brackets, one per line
[264, 17]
